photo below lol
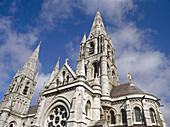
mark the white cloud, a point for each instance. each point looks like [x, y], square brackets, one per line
[113, 10]
[54, 11]
[15, 48]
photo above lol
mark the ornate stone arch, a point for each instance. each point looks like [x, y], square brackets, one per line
[137, 113]
[123, 115]
[112, 116]
[153, 114]
[58, 112]
[94, 68]
[88, 107]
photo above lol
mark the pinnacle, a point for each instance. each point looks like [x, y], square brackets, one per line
[84, 38]
[98, 25]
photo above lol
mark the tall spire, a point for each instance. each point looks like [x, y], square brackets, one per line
[30, 66]
[98, 25]
[54, 73]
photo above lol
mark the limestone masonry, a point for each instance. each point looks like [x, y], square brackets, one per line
[89, 97]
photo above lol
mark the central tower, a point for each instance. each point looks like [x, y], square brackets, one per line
[97, 52]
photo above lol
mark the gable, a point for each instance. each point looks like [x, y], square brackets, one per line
[64, 76]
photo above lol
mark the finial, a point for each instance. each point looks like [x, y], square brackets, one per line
[84, 33]
[66, 60]
[98, 9]
[130, 77]
[40, 43]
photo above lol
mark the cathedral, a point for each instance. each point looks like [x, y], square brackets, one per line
[91, 96]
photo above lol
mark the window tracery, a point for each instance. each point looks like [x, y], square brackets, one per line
[58, 117]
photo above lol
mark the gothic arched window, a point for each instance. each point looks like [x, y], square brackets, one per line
[124, 116]
[68, 78]
[57, 81]
[137, 114]
[91, 49]
[108, 50]
[95, 69]
[113, 119]
[64, 76]
[152, 115]
[25, 90]
[85, 67]
[87, 108]
[58, 117]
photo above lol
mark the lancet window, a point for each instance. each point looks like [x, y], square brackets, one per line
[137, 114]
[95, 69]
[64, 76]
[91, 49]
[113, 118]
[25, 90]
[124, 117]
[67, 79]
[152, 115]
[87, 108]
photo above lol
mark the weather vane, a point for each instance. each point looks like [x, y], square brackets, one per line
[130, 77]
[66, 60]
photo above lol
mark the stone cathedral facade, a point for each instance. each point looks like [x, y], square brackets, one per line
[89, 97]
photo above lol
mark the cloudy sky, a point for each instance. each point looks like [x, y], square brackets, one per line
[140, 32]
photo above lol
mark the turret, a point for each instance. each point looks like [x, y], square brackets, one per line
[80, 71]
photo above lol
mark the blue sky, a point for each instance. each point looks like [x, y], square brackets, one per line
[140, 32]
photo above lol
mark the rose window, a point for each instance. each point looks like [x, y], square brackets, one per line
[57, 117]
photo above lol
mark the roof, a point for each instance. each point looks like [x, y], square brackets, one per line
[33, 109]
[124, 89]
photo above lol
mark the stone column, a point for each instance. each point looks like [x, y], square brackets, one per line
[104, 76]
[146, 113]
[96, 45]
[129, 113]
[77, 113]
[96, 108]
